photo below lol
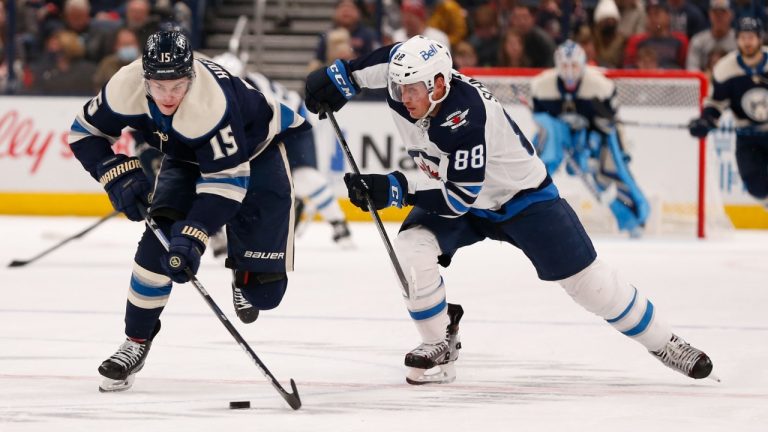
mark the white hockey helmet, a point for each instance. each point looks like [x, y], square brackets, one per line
[570, 62]
[231, 63]
[419, 60]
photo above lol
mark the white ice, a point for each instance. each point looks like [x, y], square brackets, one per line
[532, 359]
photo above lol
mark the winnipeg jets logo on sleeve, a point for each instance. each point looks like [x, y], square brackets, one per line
[456, 120]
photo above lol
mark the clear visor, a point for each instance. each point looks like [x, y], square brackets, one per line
[400, 92]
[170, 88]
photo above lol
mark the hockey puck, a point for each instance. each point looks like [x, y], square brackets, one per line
[239, 404]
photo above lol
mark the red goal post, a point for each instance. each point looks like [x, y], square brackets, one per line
[645, 97]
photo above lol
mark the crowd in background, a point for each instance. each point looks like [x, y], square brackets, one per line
[74, 46]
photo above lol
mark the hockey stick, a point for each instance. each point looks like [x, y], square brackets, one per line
[292, 398]
[371, 208]
[21, 263]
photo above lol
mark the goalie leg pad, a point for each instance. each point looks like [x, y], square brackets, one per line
[548, 140]
[263, 290]
[600, 290]
[417, 249]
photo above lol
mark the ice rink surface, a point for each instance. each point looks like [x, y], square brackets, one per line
[532, 359]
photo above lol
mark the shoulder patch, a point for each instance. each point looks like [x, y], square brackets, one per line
[456, 119]
[124, 93]
[203, 108]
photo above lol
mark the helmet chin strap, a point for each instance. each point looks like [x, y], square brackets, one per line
[433, 103]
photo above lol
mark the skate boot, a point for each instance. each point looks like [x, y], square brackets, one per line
[341, 234]
[119, 371]
[433, 363]
[678, 355]
[243, 308]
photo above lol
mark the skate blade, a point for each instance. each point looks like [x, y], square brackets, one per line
[345, 243]
[111, 386]
[714, 377]
[440, 374]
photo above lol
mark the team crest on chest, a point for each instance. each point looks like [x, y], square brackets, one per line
[161, 136]
[755, 104]
[456, 120]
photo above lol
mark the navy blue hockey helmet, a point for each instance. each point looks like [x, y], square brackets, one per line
[167, 56]
[749, 24]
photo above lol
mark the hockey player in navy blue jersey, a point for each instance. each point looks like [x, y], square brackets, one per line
[224, 164]
[575, 106]
[740, 82]
[480, 178]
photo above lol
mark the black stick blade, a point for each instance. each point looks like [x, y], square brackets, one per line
[293, 398]
[17, 263]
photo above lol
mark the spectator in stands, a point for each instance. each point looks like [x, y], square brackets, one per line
[609, 41]
[485, 37]
[96, 40]
[512, 52]
[63, 70]
[720, 36]
[647, 58]
[671, 47]
[127, 49]
[464, 55]
[586, 40]
[347, 16]
[537, 45]
[633, 17]
[686, 18]
[138, 17]
[549, 19]
[449, 17]
[413, 17]
[753, 8]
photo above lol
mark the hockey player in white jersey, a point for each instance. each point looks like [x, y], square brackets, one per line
[740, 82]
[574, 106]
[480, 178]
[312, 188]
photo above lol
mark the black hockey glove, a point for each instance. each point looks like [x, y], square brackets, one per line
[126, 184]
[186, 246]
[385, 190]
[700, 127]
[329, 88]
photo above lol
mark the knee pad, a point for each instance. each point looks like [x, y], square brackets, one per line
[263, 290]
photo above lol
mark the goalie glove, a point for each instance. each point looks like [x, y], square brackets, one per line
[385, 190]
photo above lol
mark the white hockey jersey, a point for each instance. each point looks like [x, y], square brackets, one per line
[473, 156]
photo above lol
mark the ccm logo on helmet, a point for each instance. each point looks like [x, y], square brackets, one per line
[427, 54]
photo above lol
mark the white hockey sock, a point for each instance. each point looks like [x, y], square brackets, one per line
[313, 187]
[417, 249]
[599, 289]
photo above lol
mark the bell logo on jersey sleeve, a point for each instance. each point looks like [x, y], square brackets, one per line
[456, 120]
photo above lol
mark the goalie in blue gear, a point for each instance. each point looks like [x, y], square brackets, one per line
[574, 106]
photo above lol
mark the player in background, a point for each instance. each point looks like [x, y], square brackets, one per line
[313, 190]
[740, 82]
[480, 178]
[224, 164]
[574, 106]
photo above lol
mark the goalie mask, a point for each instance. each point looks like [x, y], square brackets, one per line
[419, 60]
[570, 62]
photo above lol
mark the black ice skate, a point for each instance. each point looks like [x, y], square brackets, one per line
[439, 356]
[119, 371]
[341, 234]
[243, 308]
[678, 355]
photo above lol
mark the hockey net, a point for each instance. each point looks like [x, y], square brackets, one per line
[675, 171]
